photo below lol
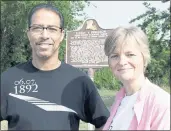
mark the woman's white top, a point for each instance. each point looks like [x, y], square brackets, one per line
[125, 113]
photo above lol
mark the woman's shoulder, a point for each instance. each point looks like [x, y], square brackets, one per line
[120, 93]
[158, 95]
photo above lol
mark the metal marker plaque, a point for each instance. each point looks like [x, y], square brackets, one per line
[85, 47]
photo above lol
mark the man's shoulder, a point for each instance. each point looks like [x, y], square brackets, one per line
[77, 75]
[71, 69]
[15, 69]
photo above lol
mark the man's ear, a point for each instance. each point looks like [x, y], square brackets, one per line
[28, 33]
[62, 35]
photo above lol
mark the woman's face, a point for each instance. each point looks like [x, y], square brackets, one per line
[127, 62]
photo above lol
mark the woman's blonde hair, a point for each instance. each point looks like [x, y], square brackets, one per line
[121, 35]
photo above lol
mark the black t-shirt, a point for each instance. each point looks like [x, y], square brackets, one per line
[49, 100]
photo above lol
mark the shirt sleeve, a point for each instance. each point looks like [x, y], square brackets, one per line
[95, 110]
[4, 102]
[161, 115]
[162, 121]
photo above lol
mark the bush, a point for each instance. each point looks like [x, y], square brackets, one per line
[104, 79]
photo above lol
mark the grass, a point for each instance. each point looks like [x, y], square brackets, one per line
[105, 92]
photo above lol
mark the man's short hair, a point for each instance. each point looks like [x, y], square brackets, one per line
[47, 7]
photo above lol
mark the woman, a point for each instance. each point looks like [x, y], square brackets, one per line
[140, 104]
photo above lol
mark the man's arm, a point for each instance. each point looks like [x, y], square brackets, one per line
[3, 100]
[94, 107]
[99, 129]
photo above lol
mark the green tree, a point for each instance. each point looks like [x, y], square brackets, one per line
[104, 79]
[15, 46]
[156, 24]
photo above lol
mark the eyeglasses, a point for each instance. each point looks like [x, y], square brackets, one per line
[50, 29]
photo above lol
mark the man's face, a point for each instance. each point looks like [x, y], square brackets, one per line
[45, 42]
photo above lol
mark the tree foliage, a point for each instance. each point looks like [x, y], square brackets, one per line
[104, 79]
[156, 24]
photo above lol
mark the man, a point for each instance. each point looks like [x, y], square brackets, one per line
[45, 93]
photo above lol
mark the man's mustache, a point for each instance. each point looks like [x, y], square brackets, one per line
[44, 43]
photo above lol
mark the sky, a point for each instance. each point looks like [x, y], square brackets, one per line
[110, 14]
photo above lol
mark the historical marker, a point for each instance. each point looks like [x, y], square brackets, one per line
[85, 47]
